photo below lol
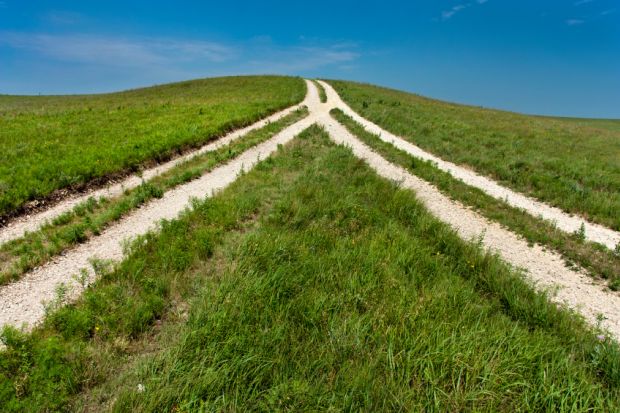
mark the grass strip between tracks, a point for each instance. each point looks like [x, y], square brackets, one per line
[571, 164]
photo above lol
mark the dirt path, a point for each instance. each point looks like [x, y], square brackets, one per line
[18, 227]
[564, 221]
[20, 302]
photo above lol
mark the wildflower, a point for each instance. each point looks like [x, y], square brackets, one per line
[601, 337]
[141, 388]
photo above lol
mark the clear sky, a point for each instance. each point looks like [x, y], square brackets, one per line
[546, 57]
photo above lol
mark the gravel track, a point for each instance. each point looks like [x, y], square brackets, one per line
[21, 302]
[29, 223]
[564, 221]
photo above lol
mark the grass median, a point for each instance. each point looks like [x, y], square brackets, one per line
[321, 89]
[598, 260]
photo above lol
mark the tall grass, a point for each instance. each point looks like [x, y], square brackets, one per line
[571, 164]
[53, 142]
[84, 345]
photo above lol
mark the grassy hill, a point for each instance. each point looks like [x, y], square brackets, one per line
[310, 283]
[54, 142]
[570, 163]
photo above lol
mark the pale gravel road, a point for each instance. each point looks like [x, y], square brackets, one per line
[564, 221]
[20, 301]
[29, 223]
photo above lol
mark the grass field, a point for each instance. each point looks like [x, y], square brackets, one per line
[93, 216]
[598, 260]
[611, 124]
[53, 142]
[310, 284]
[570, 163]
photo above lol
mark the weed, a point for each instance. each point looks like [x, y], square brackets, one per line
[82, 278]
[59, 300]
[581, 233]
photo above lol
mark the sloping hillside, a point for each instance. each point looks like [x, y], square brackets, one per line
[307, 263]
[570, 163]
[49, 143]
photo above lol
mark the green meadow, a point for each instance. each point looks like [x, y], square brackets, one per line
[595, 258]
[93, 216]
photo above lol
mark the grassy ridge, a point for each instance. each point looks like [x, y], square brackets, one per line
[611, 124]
[53, 142]
[94, 215]
[310, 284]
[599, 261]
[572, 164]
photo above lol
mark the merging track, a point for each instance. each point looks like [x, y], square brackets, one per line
[20, 302]
[565, 222]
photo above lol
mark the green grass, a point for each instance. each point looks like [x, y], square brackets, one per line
[49, 143]
[310, 284]
[93, 216]
[598, 260]
[571, 164]
[321, 89]
[611, 124]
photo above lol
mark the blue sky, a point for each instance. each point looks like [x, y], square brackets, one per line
[544, 57]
